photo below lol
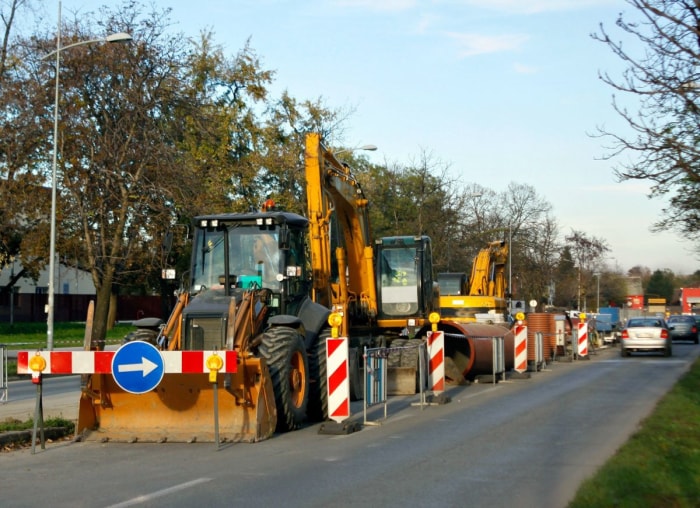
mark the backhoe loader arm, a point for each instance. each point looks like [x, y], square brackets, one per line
[488, 271]
[343, 274]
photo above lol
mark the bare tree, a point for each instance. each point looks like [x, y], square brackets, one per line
[663, 75]
[586, 253]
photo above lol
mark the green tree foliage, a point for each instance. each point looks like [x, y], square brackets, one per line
[150, 134]
[20, 149]
[661, 285]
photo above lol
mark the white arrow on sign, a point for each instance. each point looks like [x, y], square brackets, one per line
[146, 366]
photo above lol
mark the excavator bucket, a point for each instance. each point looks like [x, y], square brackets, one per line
[182, 408]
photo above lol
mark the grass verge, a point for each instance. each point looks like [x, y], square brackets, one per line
[33, 335]
[660, 464]
[30, 336]
[15, 434]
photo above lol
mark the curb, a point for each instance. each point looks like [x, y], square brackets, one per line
[25, 436]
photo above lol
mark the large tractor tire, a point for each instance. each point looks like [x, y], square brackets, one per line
[318, 392]
[283, 349]
[142, 334]
[356, 377]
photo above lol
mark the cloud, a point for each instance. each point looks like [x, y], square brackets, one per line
[476, 44]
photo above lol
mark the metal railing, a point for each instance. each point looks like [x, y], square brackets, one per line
[3, 374]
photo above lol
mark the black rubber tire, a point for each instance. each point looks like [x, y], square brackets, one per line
[283, 349]
[142, 334]
[318, 390]
[357, 384]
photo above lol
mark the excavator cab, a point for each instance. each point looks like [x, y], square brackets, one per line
[406, 290]
[246, 252]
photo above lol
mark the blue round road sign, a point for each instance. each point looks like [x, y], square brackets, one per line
[137, 367]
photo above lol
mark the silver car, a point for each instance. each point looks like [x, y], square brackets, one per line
[683, 327]
[646, 334]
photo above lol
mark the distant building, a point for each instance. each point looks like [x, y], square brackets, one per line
[690, 300]
[68, 280]
[635, 293]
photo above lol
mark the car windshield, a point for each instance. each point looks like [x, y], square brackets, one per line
[638, 323]
[681, 319]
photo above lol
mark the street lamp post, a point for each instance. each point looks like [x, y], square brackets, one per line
[597, 298]
[367, 148]
[118, 37]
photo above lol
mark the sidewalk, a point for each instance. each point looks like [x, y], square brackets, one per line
[64, 405]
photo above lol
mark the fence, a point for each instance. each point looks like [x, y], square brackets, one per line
[3, 373]
[376, 378]
[27, 307]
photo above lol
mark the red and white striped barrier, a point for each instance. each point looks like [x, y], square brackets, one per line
[582, 338]
[436, 368]
[520, 349]
[100, 362]
[338, 374]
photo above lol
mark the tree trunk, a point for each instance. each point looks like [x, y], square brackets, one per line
[112, 315]
[102, 306]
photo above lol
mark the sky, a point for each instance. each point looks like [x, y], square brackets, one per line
[500, 91]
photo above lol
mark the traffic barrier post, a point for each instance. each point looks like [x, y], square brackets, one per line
[338, 383]
[520, 346]
[436, 365]
[499, 362]
[37, 365]
[539, 350]
[582, 336]
[214, 363]
[338, 379]
[3, 374]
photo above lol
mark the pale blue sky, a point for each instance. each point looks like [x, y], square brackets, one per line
[501, 90]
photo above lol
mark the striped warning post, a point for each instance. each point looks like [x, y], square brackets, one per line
[436, 367]
[100, 362]
[582, 338]
[520, 345]
[338, 379]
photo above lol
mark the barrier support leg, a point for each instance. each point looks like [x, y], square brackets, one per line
[38, 416]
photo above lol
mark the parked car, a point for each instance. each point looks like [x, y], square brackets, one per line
[646, 334]
[683, 328]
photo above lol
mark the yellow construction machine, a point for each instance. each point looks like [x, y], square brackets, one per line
[248, 292]
[383, 289]
[483, 295]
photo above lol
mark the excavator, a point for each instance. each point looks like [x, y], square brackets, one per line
[388, 290]
[483, 294]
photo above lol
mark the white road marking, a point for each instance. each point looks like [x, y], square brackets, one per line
[160, 493]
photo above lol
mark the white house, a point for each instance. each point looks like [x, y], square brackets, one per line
[69, 281]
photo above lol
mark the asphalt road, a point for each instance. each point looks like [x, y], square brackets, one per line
[525, 443]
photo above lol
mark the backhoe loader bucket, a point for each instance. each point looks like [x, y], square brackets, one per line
[181, 408]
